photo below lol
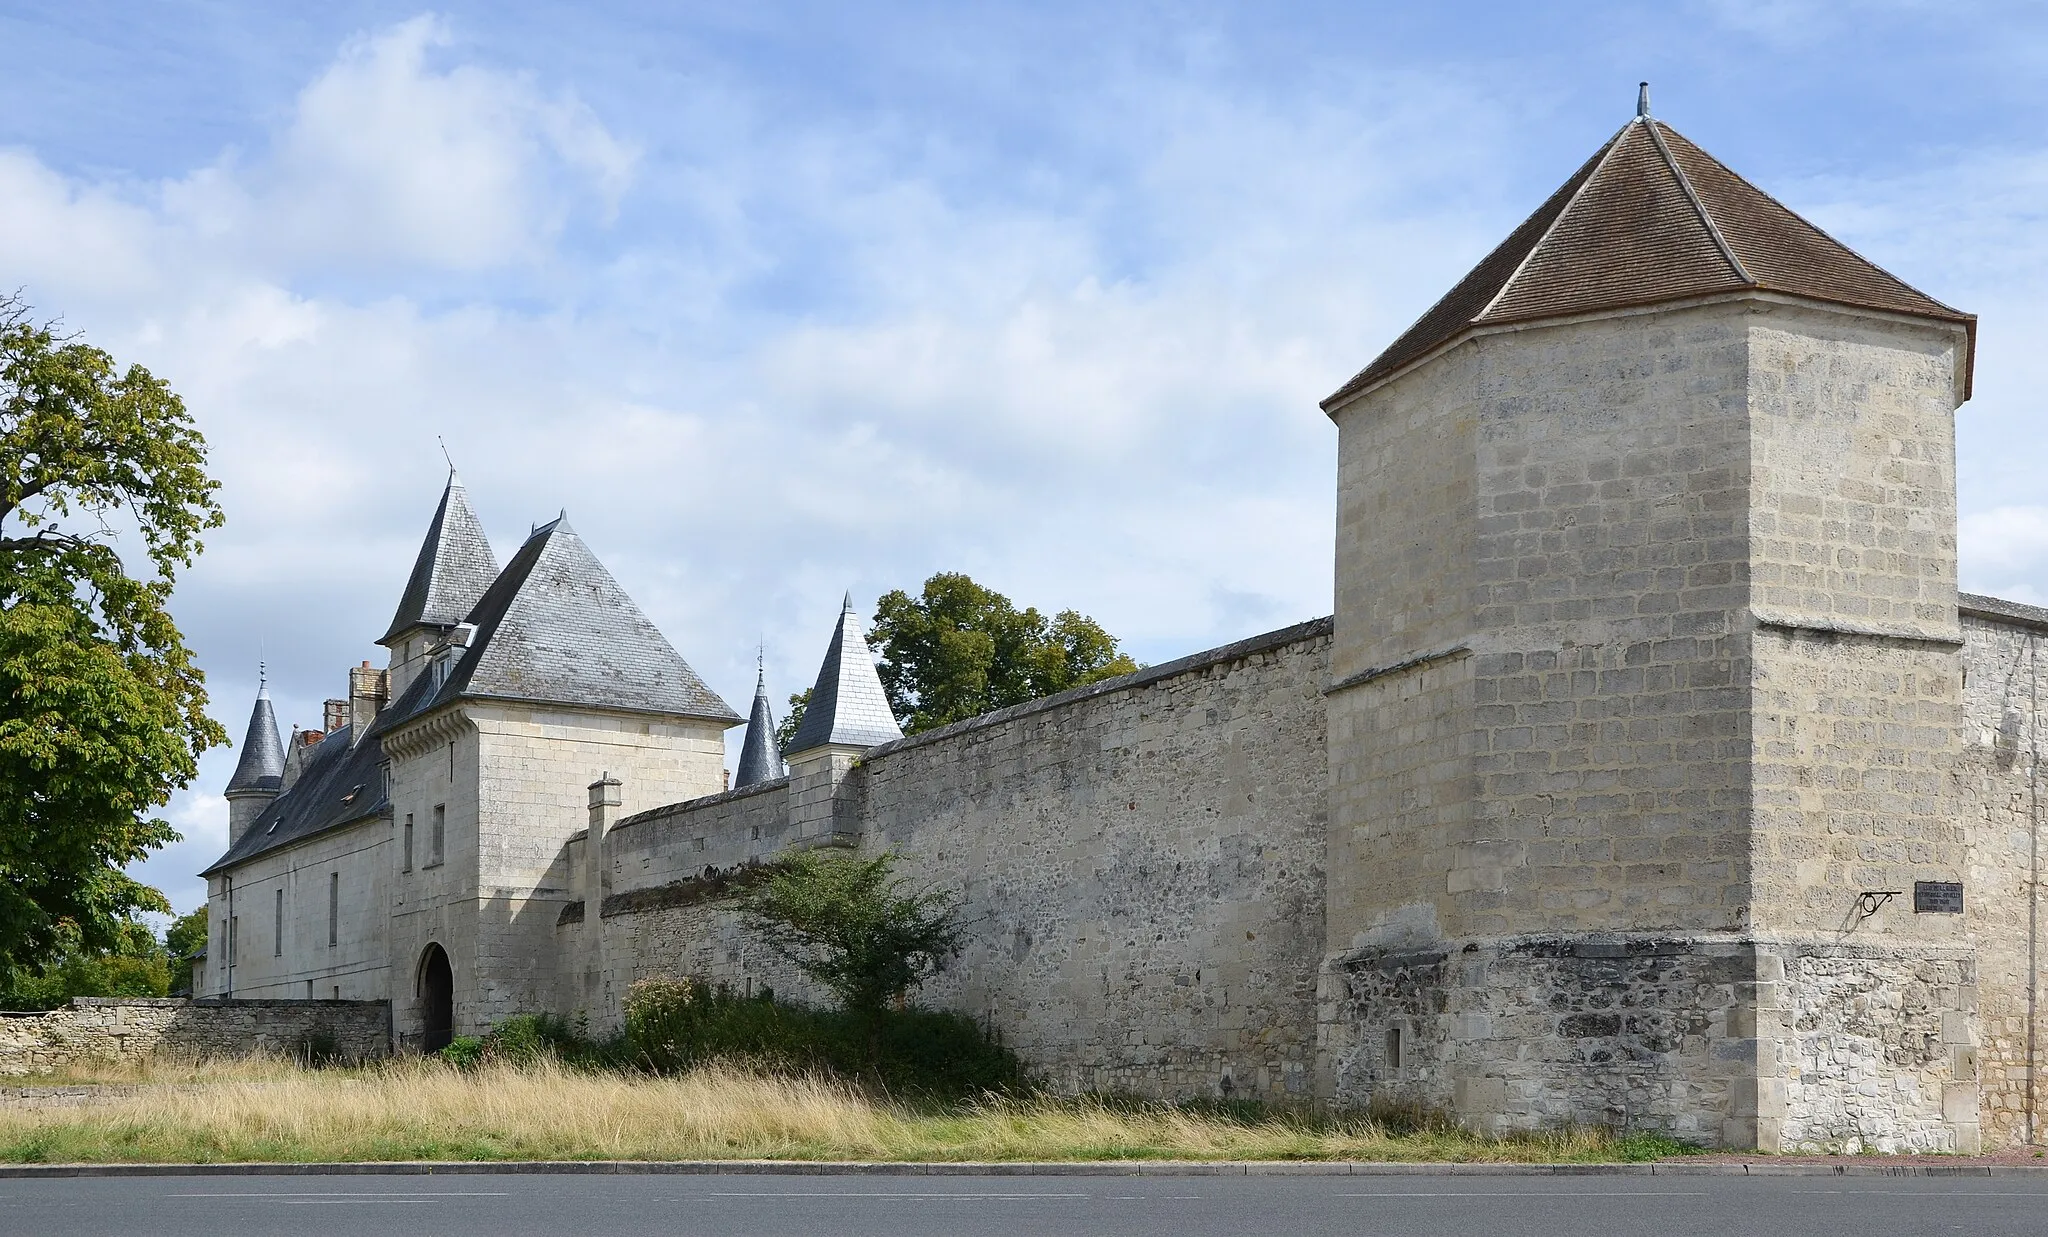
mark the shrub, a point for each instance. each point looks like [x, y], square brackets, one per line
[853, 925]
[674, 1025]
[465, 1051]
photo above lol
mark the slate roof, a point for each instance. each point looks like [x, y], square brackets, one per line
[556, 628]
[454, 567]
[262, 764]
[342, 784]
[759, 761]
[1651, 218]
[553, 628]
[847, 703]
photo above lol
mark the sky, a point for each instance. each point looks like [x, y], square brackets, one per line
[783, 300]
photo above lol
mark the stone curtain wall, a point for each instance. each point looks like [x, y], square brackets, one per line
[2002, 804]
[95, 1030]
[1140, 861]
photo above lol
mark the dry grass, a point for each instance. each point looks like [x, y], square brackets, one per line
[411, 1109]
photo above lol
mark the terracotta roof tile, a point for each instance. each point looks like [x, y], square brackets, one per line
[1649, 218]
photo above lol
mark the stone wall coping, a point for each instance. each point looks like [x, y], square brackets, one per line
[1999, 610]
[1251, 646]
[177, 1002]
[691, 805]
[1761, 1166]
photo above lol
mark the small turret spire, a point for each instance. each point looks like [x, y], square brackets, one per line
[848, 707]
[759, 759]
[1643, 100]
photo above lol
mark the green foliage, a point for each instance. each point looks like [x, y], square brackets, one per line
[135, 964]
[186, 935]
[102, 711]
[787, 730]
[960, 650]
[675, 1025]
[853, 925]
[527, 1038]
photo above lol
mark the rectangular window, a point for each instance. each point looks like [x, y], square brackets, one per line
[438, 844]
[408, 844]
[333, 909]
[451, 763]
[309, 989]
[234, 937]
[277, 924]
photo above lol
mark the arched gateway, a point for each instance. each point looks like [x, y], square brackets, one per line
[436, 992]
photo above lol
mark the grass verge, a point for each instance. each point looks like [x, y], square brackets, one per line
[414, 1109]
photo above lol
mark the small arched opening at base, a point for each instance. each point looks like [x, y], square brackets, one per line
[436, 991]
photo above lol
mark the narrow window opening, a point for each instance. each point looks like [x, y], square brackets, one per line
[437, 842]
[408, 844]
[337, 992]
[277, 935]
[309, 989]
[451, 763]
[333, 909]
[1393, 1047]
[234, 937]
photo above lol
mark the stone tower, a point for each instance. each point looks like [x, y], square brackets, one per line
[848, 713]
[259, 774]
[1645, 675]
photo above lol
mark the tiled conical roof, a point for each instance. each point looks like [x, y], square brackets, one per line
[759, 761]
[847, 704]
[1650, 218]
[454, 567]
[261, 767]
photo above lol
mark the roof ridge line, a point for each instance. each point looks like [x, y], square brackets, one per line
[1700, 207]
[1592, 174]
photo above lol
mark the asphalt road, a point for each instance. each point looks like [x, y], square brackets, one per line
[570, 1206]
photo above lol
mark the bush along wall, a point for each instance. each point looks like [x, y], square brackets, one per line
[673, 1025]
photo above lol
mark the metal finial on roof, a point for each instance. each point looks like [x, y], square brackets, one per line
[1643, 100]
[446, 456]
[846, 607]
[262, 680]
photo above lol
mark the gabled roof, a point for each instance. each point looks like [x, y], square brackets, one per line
[556, 628]
[343, 783]
[262, 764]
[759, 761]
[1650, 218]
[847, 704]
[454, 567]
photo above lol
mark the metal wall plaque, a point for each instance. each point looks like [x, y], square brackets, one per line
[1937, 897]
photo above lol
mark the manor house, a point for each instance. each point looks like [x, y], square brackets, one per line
[1651, 772]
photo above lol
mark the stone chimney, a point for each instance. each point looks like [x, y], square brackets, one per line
[368, 690]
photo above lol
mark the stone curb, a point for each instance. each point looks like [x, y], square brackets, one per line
[1092, 1168]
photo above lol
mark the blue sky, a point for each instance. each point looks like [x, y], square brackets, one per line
[784, 300]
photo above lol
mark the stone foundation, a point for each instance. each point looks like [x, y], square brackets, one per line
[1720, 1041]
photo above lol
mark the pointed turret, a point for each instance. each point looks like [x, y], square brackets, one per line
[454, 567]
[759, 761]
[847, 707]
[259, 775]
[1650, 219]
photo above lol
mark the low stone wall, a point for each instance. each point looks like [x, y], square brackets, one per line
[93, 1029]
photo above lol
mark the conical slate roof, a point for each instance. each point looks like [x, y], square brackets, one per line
[759, 761]
[262, 764]
[454, 567]
[555, 627]
[847, 704]
[1650, 218]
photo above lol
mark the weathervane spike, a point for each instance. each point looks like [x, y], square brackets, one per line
[444, 452]
[1643, 100]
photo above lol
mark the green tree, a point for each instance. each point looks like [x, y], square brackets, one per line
[102, 711]
[186, 935]
[795, 717]
[853, 925]
[135, 963]
[959, 650]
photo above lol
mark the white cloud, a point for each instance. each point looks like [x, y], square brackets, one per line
[389, 158]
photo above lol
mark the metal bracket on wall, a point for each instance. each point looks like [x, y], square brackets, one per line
[1870, 901]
